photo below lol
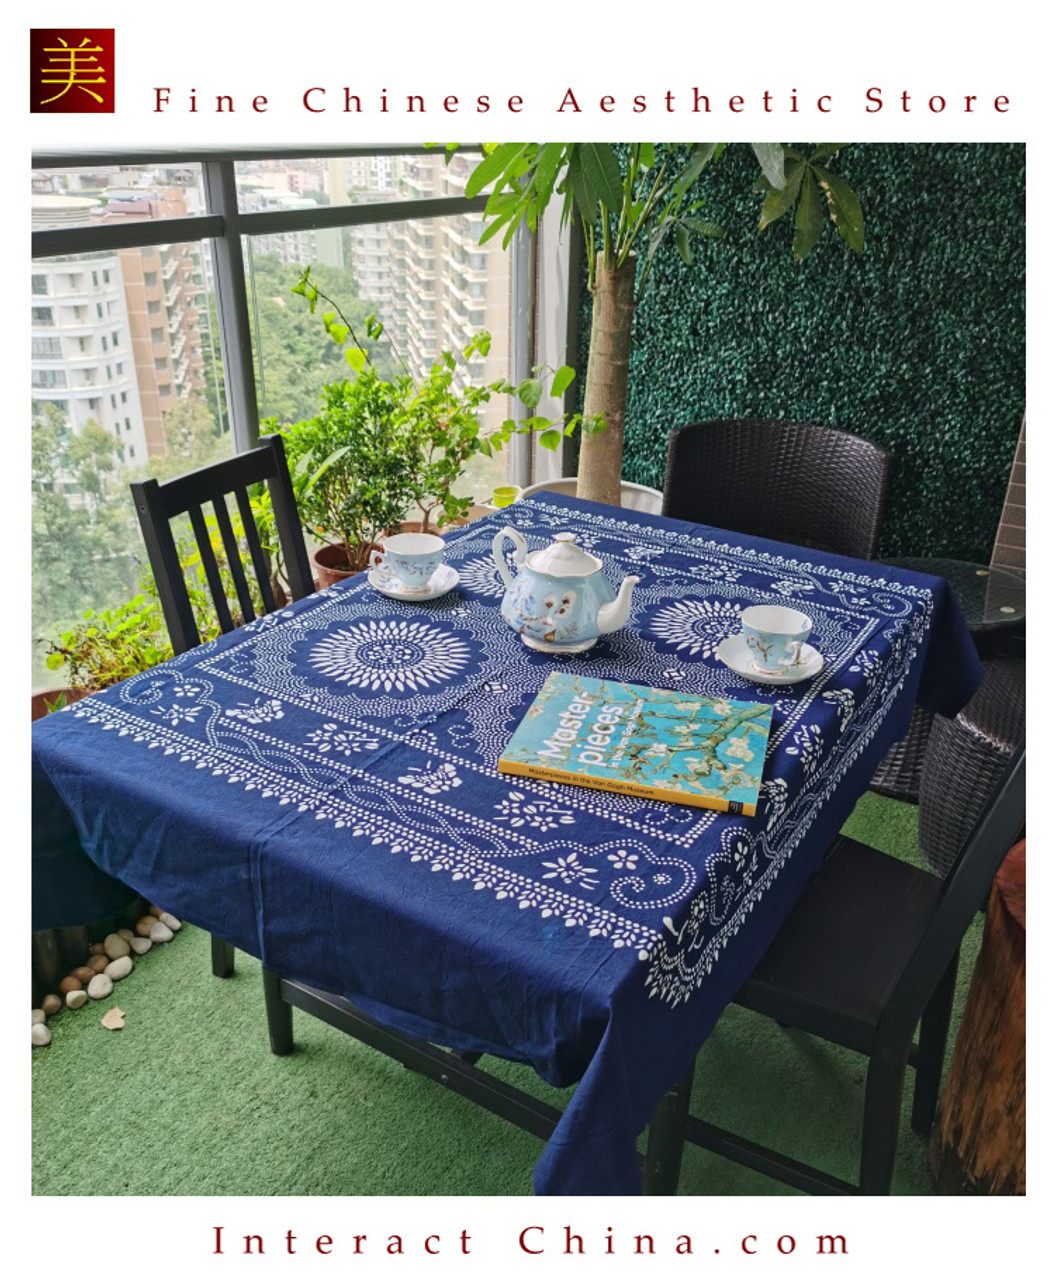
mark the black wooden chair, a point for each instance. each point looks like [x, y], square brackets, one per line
[790, 481]
[157, 504]
[871, 950]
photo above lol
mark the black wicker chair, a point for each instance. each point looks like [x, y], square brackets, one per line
[964, 758]
[870, 950]
[157, 504]
[792, 481]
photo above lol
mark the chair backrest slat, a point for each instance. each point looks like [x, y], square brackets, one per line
[234, 559]
[256, 552]
[287, 522]
[157, 504]
[210, 567]
[164, 561]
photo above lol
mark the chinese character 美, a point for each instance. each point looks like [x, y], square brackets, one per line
[73, 69]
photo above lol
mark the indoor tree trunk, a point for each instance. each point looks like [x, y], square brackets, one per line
[607, 370]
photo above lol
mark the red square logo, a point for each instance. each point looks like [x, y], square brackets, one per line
[71, 70]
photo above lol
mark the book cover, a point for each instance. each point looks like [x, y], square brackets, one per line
[639, 741]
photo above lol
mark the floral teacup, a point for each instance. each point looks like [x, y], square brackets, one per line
[775, 635]
[410, 558]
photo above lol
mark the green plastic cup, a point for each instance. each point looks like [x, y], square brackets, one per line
[505, 495]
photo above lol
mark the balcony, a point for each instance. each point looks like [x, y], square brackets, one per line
[699, 350]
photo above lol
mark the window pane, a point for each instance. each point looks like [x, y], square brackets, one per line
[429, 283]
[268, 185]
[98, 425]
[107, 194]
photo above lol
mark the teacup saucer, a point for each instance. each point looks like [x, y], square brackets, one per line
[439, 584]
[733, 651]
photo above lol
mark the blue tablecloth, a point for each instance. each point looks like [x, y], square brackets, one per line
[320, 789]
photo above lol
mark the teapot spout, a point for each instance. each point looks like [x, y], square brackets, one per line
[612, 616]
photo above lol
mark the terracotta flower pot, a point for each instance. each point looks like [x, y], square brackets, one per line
[330, 564]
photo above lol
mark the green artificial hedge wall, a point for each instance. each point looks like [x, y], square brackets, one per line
[918, 343]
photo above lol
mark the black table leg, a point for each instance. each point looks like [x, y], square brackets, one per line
[222, 958]
[666, 1139]
[279, 1015]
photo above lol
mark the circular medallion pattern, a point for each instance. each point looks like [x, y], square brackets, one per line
[696, 627]
[390, 655]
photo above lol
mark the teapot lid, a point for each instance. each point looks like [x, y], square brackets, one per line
[563, 559]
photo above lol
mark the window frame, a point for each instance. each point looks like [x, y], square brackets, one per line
[224, 225]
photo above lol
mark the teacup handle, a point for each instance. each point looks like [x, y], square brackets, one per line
[378, 559]
[796, 648]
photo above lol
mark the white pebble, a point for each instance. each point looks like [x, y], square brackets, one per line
[140, 945]
[119, 968]
[39, 1016]
[74, 999]
[100, 986]
[168, 918]
[41, 1035]
[160, 933]
[115, 946]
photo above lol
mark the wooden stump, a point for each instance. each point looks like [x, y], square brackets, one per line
[978, 1145]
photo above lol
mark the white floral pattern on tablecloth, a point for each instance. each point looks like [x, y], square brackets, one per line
[386, 720]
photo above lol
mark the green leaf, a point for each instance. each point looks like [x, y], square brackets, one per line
[562, 380]
[493, 228]
[681, 239]
[777, 203]
[702, 154]
[550, 159]
[530, 392]
[356, 357]
[809, 218]
[710, 230]
[493, 166]
[601, 169]
[584, 198]
[844, 208]
[54, 660]
[770, 157]
[449, 360]
[646, 155]
[826, 150]
[551, 439]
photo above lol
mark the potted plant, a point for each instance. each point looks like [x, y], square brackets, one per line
[392, 444]
[110, 645]
[106, 646]
[630, 201]
[370, 477]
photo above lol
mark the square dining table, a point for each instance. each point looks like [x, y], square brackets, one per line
[319, 788]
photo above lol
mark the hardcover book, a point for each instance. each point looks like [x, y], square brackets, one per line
[638, 741]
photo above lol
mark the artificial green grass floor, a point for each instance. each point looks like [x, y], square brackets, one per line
[189, 1100]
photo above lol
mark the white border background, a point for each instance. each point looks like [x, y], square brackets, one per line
[536, 51]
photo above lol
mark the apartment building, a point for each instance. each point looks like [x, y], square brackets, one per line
[82, 355]
[117, 336]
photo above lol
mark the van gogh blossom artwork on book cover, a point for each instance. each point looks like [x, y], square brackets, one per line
[638, 741]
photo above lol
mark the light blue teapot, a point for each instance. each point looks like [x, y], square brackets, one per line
[560, 600]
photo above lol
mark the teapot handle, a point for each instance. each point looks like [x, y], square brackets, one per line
[499, 555]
